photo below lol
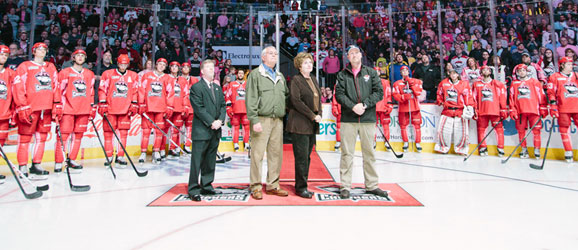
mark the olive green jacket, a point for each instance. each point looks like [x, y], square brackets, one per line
[266, 96]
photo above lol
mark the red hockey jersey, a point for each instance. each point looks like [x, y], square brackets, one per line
[36, 85]
[190, 82]
[384, 105]
[156, 92]
[564, 90]
[6, 82]
[526, 97]
[489, 97]
[236, 96]
[76, 90]
[118, 90]
[454, 96]
[407, 94]
[178, 84]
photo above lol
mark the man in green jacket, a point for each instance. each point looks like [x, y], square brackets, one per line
[358, 89]
[267, 94]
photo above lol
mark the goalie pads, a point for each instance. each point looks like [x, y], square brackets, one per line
[452, 129]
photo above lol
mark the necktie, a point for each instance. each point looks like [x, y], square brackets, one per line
[212, 90]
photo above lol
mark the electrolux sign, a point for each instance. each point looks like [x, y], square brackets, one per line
[239, 55]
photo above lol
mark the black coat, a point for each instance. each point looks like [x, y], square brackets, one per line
[207, 110]
[301, 116]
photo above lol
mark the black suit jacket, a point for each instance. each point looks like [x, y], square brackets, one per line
[206, 110]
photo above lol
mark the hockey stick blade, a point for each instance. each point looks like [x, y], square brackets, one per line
[480, 143]
[398, 156]
[73, 187]
[534, 166]
[139, 174]
[520, 143]
[43, 188]
[29, 196]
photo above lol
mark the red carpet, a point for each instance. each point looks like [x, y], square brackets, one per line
[317, 169]
[326, 194]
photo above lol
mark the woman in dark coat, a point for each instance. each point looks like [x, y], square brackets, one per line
[304, 118]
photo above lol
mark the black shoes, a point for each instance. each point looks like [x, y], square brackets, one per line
[305, 194]
[378, 192]
[211, 192]
[344, 194]
[196, 197]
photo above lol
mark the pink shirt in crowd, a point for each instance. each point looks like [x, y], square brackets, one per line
[331, 65]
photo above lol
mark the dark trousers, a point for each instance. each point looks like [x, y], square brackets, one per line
[330, 80]
[203, 160]
[302, 147]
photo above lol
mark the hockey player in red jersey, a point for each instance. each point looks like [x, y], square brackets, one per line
[156, 101]
[406, 92]
[490, 104]
[383, 110]
[563, 99]
[37, 103]
[118, 100]
[455, 97]
[336, 110]
[6, 105]
[235, 98]
[177, 84]
[188, 113]
[77, 92]
[527, 104]
[533, 69]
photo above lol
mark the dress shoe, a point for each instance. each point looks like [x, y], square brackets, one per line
[305, 194]
[277, 191]
[344, 194]
[211, 192]
[378, 192]
[196, 197]
[257, 195]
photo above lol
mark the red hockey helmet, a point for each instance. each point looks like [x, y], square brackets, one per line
[521, 66]
[4, 49]
[186, 64]
[78, 51]
[39, 45]
[175, 63]
[404, 67]
[565, 60]
[162, 60]
[123, 59]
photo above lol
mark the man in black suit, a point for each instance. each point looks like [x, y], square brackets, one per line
[209, 105]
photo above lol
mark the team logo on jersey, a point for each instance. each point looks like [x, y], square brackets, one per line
[357, 194]
[451, 95]
[121, 89]
[79, 88]
[44, 81]
[524, 92]
[241, 94]
[156, 89]
[571, 90]
[487, 95]
[366, 78]
[3, 90]
[177, 90]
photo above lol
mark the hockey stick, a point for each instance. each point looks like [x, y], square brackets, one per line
[75, 188]
[163, 132]
[140, 174]
[17, 175]
[103, 150]
[480, 142]
[220, 157]
[534, 166]
[523, 139]
[391, 147]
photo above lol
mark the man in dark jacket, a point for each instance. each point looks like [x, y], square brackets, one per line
[358, 89]
[430, 76]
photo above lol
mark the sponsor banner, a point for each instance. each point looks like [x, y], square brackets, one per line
[239, 55]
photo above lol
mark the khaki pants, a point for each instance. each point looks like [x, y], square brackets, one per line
[366, 132]
[270, 139]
